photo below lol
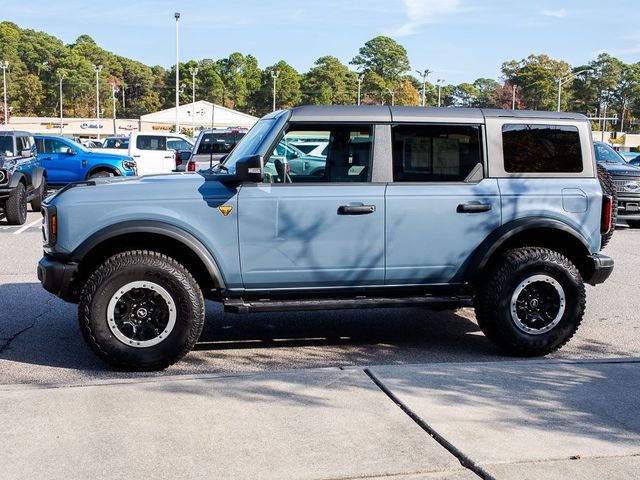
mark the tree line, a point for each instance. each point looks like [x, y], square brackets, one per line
[381, 69]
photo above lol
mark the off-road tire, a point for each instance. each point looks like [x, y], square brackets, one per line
[493, 298]
[608, 188]
[141, 265]
[15, 208]
[634, 223]
[36, 203]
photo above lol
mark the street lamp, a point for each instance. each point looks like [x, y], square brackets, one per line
[113, 106]
[177, 17]
[567, 78]
[61, 78]
[393, 95]
[360, 78]
[439, 82]
[274, 74]
[193, 71]
[5, 65]
[97, 69]
[424, 76]
[514, 87]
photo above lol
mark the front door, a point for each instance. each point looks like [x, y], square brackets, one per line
[439, 207]
[301, 230]
[60, 162]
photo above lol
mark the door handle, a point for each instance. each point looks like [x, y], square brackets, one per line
[47, 158]
[473, 207]
[137, 156]
[356, 209]
[168, 156]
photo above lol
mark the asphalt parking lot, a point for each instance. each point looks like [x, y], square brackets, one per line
[40, 341]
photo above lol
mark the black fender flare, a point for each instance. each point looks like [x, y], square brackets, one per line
[157, 228]
[16, 177]
[37, 176]
[483, 253]
[103, 166]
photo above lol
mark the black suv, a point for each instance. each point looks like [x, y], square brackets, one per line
[22, 179]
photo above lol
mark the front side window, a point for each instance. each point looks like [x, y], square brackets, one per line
[151, 142]
[541, 149]
[435, 153]
[55, 146]
[346, 158]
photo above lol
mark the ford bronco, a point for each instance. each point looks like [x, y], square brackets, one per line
[439, 207]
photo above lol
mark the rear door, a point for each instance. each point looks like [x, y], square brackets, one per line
[439, 207]
[301, 231]
[152, 155]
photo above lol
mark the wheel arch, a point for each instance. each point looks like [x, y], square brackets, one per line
[530, 232]
[103, 167]
[149, 235]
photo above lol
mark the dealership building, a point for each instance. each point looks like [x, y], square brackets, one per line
[200, 114]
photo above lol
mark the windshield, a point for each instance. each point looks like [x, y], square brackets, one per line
[6, 146]
[116, 143]
[251, 142]
[606, 154]
[219, 142]
[77, 146]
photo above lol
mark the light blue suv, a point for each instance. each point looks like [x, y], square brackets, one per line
[443, 208]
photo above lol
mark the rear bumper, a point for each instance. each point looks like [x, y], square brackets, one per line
[601, 268]
[57, 277]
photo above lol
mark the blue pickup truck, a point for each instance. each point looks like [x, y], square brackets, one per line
[66, 161]
[500, 210]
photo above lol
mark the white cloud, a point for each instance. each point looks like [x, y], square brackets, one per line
[421, 12]
[562, 13]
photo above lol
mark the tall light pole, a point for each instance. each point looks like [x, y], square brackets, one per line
[513, 96]
[424, 76]
[193, 71]
[113, 106]
[274, 74]
[440, 81]
[61, 78]
[567, 78]
[97, 69]
[177, 17]
[393, 95]
[5, 65]
[360, 78]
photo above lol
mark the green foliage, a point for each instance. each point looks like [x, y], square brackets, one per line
[329, 82]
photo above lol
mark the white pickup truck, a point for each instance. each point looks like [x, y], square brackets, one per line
[154, 152]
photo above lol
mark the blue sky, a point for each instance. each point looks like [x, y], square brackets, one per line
[459, 40]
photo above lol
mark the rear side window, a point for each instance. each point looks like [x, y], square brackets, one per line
[151, 142]
[541, 149]
[435, 153]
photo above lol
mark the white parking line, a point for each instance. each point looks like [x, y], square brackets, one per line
[22, 229]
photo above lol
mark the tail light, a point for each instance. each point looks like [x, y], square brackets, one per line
[287, 168]
[607, 213]
[191, 166]
[178, 159]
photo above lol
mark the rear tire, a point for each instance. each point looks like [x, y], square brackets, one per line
[531, 302]
[141, 311]
[609, 188]
[15, 208]
[36, 203]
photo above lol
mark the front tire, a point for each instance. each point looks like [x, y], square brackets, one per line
[531, 302]
[15, 207]
[141, 311]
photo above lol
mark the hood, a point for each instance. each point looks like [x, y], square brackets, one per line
[107, 157]
[621, 169]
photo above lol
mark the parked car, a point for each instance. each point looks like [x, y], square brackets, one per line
[314, 149]
[443, 208]
[91, 143]
[211, 147]
[154, 152]
[22, 179]
[635, 162]
[628, 156]
[626, 181]
[66, 161]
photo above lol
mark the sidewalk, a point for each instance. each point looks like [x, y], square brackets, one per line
[519, 420]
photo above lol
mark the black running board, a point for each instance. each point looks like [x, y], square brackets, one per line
[239, 305]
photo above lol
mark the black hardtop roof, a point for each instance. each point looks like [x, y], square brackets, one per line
[385, 113]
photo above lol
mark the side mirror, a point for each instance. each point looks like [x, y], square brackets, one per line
[249, 169]
[26, 152]
[71, 151]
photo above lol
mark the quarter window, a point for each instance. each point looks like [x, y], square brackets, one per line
[151, 142]
[346, 158]
[435, 153]
[541, 149]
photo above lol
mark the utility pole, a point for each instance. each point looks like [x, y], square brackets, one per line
[5, 65]
[424, 76]
[513, 96]
[193, 71]
[61, 78]
[177, 17]
[274, 74]
[113, 106]
[360, 78]
[123, 105]
[97, 69]
[440, 81]
[393, 96]
[562, 80]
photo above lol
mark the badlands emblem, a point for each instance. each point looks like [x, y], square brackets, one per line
[225, 209]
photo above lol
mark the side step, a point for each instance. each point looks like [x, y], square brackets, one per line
[239, 305]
